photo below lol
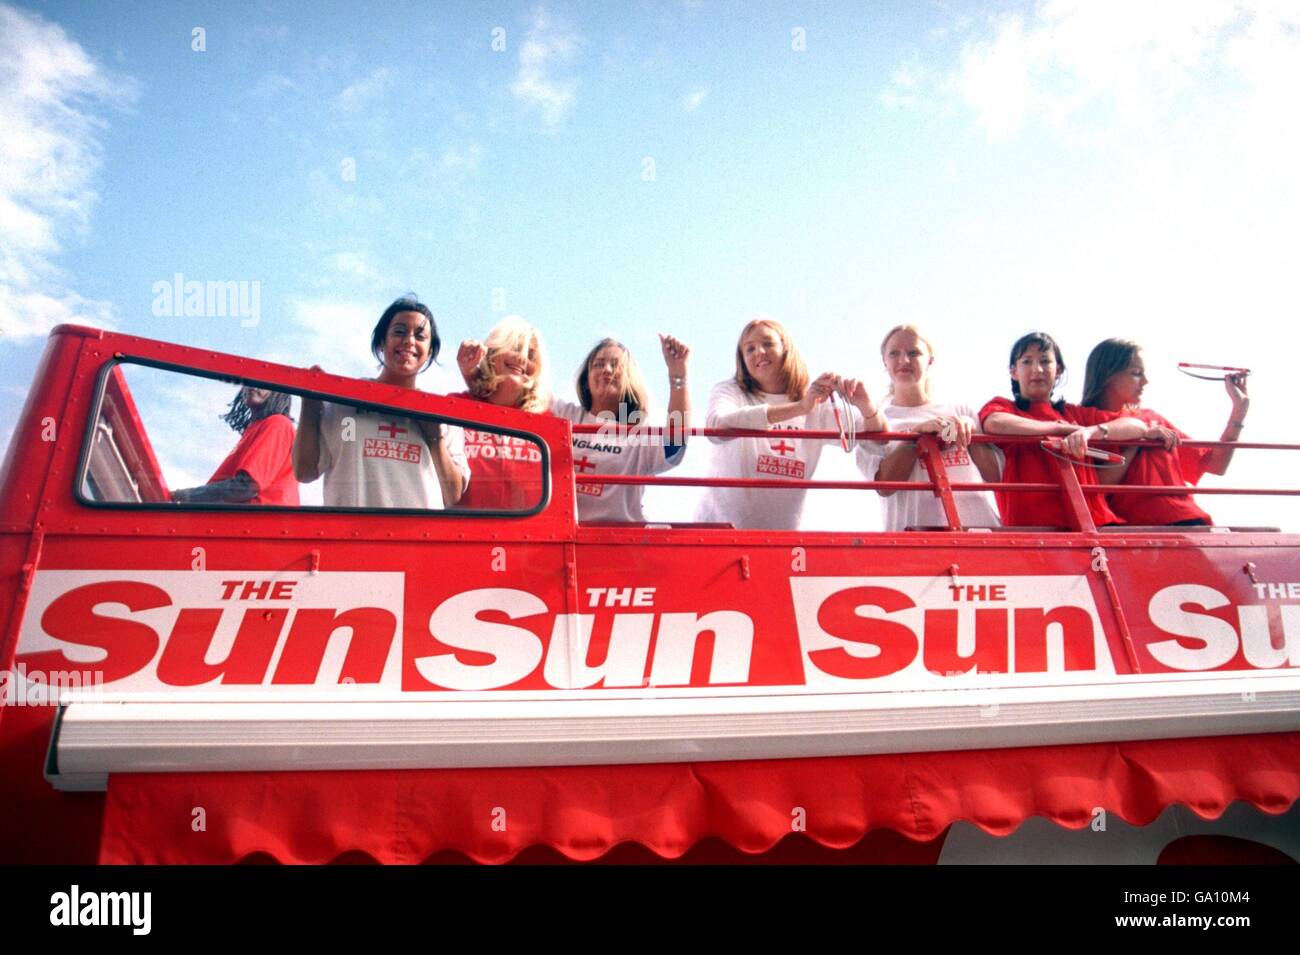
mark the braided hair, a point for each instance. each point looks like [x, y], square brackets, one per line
[239, 415]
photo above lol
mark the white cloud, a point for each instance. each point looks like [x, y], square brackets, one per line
[272, 84]
[691, 102]
[360, 93]
[50, 91]
[1177, 228]
[337, 335]
[358, 267]
[327, 318]
[28, 314]
[904, 85]
[462, 159]
[1092, 67]
[544, 47]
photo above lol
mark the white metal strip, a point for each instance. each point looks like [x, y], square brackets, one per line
[97, 738]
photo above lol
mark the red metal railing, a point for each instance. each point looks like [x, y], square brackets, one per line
[1073, 491]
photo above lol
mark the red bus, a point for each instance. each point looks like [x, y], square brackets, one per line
[220, 682]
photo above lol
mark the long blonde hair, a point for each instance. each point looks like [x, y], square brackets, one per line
[512, 335]
[635, 397]
[792, 363]
[920, 337]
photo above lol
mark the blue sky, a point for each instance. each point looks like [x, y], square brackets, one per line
[1092, 169]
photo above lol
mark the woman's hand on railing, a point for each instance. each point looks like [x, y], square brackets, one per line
[1075, 443]
[951, 429]
[1166, 436]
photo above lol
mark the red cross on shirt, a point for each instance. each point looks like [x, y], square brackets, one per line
[782, 448]
[392, 429]
[582, 464]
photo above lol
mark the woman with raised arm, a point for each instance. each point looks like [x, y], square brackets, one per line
[374, 459]
[1037, 367]
[908, 355]
[1114, 381]
[614, 394]
[509, 369]
[771, 391]
[259, 470]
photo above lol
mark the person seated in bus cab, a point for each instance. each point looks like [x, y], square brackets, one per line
[376, 459]
[260, 469]
[510, 370]
[771, 391]
[908, 356]
[613, 393]
[1114, 381]
[1037, 368]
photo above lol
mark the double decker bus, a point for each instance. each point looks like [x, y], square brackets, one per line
[188, 682]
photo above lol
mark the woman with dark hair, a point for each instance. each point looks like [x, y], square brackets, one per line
[1037, 368]
[1114, 381]
[613, 393]
[373, 459]
[771, 390]
[259, 470]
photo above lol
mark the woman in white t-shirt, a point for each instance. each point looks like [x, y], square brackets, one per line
[907, 356]
[374, 459]
[771, 391]
[613, 393]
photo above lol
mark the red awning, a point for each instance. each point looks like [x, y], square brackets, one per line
[491, 815]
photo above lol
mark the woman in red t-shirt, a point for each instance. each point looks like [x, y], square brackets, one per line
[260, 469]
[1037, 367]
[507, 369]
[1114, 380]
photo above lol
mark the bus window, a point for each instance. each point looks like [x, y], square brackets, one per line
[179, 439]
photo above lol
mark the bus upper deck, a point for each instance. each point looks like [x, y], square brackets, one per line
[156, 643]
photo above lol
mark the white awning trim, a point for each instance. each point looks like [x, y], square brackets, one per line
[95, 737]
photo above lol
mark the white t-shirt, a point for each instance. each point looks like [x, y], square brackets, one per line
[613, 454]
[385, 462]
[767, 458]
[905, 509]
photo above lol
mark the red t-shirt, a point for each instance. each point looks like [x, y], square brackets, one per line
[1176, 468]
[505, 472]
[264, 454]
[1031, 464]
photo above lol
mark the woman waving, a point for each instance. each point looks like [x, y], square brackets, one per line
[508, 369]
[613, 393]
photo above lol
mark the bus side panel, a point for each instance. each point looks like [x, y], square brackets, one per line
[41, 824]
[1220, 608]
[41, 426]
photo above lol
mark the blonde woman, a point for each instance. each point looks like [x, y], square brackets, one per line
[613, 392]
[508, 369]
[771, 391]
[907, 356]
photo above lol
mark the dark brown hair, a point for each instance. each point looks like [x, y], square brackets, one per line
[1108, 359]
